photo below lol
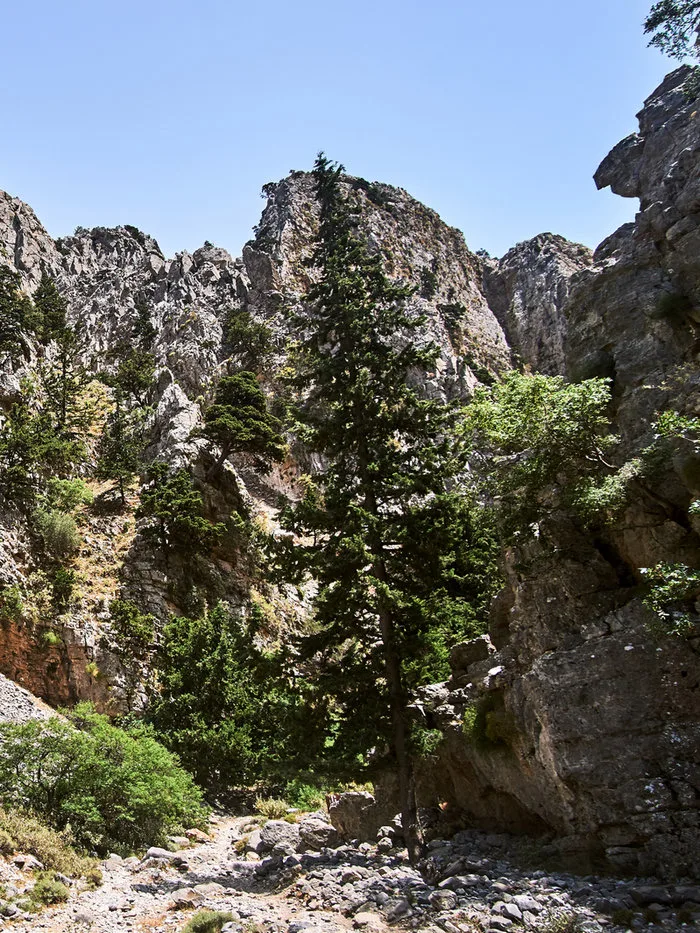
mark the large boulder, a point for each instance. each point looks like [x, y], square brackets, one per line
[276, 832]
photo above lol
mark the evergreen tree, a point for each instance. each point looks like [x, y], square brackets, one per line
[17, 314]
[174, 512]
[239, 421]
[377, 528]
[223, 706]
[120, 448]
[52, 308]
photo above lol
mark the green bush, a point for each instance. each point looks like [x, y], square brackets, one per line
[58, 530]
[48, 890]
[11, 603]
[133, 630]
[673, 589]
[62, 585]
[116, 790]
[304, 796]
[207, 921]
[67, 494]
[21, 832]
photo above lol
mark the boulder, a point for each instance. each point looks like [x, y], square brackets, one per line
[317, 834]
[279, 832]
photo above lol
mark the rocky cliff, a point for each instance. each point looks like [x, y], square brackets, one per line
[600, 723]
[596, 722]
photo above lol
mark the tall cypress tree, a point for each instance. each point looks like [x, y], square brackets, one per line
[376, 529]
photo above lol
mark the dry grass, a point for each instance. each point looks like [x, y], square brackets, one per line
[24, 833]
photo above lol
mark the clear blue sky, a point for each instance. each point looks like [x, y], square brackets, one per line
[172, 115]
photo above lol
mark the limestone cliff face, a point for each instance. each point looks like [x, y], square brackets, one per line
[599, 723]
[108, 275]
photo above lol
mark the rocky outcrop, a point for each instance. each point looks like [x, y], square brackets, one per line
[528, 289]
[582, 721]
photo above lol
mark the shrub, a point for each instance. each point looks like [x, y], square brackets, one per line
[116, 790]
[133, 630]
[58, 530]
[305, 796]
[11, 603]
[673, 588]
[48, 890]
[207, 921]
[22, 832]
[62, 585]
[67, 494]
[51, 639]
[272, 808]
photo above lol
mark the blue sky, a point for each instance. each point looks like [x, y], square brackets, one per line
[172, 115]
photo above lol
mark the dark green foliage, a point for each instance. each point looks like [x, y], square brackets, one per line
[11, 603]
[247, 341]
[117, 790]
[453, 316]
[133, 630]
[173, 510]
[133, 378]
[52, 309]
[144, 331]
[238, 421]
[17, 315]
[22, 449]
[136, 234]
[382, 536]
[674, 25]
[673, 590]
[121, 445]
[62, 584]
[62, 374]
[223, 706]
[428, 283]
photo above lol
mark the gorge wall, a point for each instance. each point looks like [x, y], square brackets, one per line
[602, 742]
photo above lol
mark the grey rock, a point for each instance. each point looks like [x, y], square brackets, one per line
[276, 832]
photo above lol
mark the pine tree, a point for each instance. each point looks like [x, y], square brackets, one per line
[121, 445]
[239, 421]
[17, 314]
[377, 528]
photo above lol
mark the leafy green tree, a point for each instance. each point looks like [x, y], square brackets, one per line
[223, 706]
[248, 342]
[134, 376]
[377, 528]
[535, 436]
[173, 510]
[116, 790]
[674, 26]
[238, 421]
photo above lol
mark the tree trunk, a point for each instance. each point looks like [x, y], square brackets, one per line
[400, 741]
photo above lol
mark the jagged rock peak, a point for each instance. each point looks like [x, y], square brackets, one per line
[527, 290]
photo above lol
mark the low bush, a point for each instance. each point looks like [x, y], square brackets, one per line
[117, 790]
[11, 603]
[58, 531]
[20, 832]
[271, 809]
[48, 890]
[207, 921]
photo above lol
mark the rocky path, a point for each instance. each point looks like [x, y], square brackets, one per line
[467, 885]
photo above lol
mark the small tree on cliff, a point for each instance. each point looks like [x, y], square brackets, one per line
[377, 529]
[239, 421]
